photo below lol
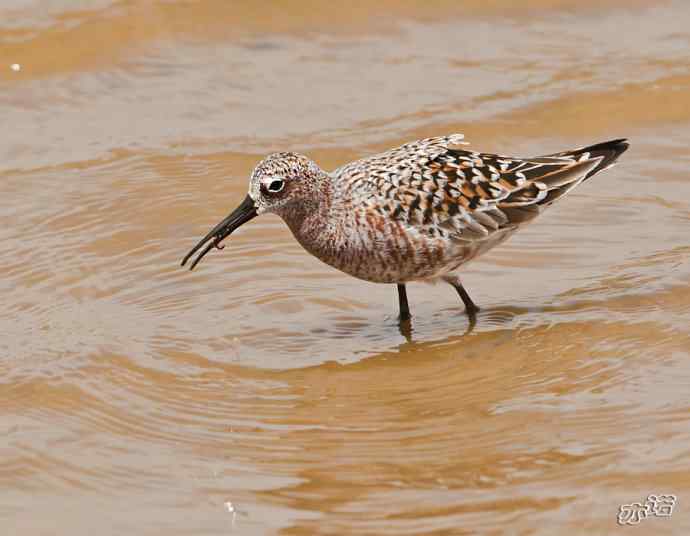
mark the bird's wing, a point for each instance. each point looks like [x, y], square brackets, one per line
[442, 189]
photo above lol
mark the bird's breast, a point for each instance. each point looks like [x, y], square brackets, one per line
[369, 246]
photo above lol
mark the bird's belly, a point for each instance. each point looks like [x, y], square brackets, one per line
[390, 257]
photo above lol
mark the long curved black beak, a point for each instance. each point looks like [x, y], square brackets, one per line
[242, 214]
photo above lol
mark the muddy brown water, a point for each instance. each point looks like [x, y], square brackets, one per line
[266, 393]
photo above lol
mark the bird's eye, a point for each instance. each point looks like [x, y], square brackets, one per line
[276, 185]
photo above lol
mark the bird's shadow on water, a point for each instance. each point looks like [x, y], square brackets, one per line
[423, 334]
[406, 328]
[486, 319]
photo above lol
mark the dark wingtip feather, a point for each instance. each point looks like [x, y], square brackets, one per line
[609, 150]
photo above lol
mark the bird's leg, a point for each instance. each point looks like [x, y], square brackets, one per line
[402, 300]
[470, 307]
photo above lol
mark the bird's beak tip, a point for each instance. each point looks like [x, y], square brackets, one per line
[242, 214]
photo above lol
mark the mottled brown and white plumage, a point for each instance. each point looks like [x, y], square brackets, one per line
[413, 213]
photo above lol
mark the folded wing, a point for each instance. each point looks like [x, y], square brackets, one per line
[442, 189]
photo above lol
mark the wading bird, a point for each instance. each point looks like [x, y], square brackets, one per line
[414, 213]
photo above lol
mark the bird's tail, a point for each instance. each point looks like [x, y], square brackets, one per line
[573, 167]
[608, 150]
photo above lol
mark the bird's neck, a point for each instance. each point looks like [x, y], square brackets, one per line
[314, 222]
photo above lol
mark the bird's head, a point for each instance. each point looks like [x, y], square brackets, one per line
[282, 182]
[286, 184]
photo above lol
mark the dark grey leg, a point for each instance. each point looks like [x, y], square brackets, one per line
[402, 300]
[470, 307]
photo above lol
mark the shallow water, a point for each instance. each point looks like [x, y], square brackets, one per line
[266, 393]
